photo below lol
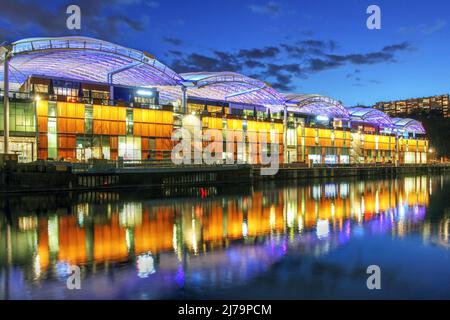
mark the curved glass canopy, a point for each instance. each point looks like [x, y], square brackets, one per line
[371, 116]
[226, 86]
[86, 59]
[316, 105]
[408, 125]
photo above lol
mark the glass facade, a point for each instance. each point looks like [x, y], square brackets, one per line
[52, 133]
[130, 148]
[21, 116]
[80, 132]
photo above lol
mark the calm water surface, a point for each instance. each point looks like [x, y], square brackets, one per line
[295, 240]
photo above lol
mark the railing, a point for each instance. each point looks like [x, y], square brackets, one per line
[17, 95]
[112, 165]
[356, 165]
[137, 164]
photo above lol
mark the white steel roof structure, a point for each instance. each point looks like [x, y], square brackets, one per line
[88, 59]
[226, 86]
[371, 116]
[314, 104]
[408, 125]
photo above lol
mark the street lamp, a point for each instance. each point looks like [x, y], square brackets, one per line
[431, 151]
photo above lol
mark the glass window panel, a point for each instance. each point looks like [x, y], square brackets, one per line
[129, 121]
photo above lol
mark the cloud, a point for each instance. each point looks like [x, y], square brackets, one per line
[176, 53]
[385, 55]
[319, 44]
[309, 47]
[152, 4]
[282, 75]
[21, 13]
[317, 65]
[425, 29]
[270, 8]
[283, 65]
[26, 17]
[257, 53]
[254, 64]
[398, 47]
[173, 41]
[217, 61]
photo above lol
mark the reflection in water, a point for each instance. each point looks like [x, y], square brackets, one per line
[139, 247]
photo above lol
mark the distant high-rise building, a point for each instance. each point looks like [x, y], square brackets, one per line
[435, 104]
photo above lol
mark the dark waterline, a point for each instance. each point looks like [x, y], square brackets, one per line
[287, 240]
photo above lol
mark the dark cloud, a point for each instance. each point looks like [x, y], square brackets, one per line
[282, 75]
[291, 68]
[284, 64]
[310, 47]
[254, 64]
[218, 61]
[317, 65]
[176, 53]
[319, 44]
[267, 52]
[173, 41]
[397, 47]
[26, 18]
[330, 61]
[283, 83]
[24, 13]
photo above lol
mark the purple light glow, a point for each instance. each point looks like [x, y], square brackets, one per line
[408, 125]
[316, 105]
[87, 59]
[226, 86]
[370, 115]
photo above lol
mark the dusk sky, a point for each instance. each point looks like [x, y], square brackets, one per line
[300, 46]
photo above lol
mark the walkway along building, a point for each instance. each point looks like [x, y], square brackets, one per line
[77, 98]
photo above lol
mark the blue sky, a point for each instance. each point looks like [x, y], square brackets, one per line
[320, 46]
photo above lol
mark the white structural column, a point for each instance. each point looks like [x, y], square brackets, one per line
[285, 160]
[184, 99]
[111, 93]
[116, 71]
[6, 103]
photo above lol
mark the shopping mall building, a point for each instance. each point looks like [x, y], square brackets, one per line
[77, 99]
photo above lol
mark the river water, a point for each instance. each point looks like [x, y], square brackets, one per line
[296, 240]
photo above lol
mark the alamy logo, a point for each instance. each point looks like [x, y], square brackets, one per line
[374, 20]
[374, 280]
[73, 22]
[74, 280]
